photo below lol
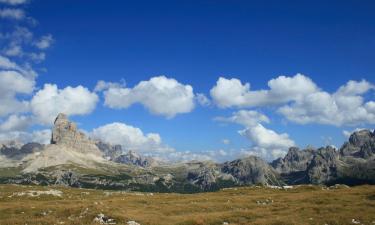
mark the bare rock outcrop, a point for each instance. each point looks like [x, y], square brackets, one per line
[324, 166]
[132, 158]
[251, 170]
[361, 144]
[66, 133]
[294, 161]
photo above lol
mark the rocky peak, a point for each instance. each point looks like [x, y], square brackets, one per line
[133, 158]
[250, 170]
[361, 137]
[110, 152]
[361, 144]
[323, 167]
[295, 160]
[66, 133]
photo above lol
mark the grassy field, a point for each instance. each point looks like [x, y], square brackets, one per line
[247, 205]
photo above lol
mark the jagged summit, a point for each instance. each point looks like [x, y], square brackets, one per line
[360, 137]
[353, 163]
[68, 146]
[66, 133]
[361, 144]
[74, 159]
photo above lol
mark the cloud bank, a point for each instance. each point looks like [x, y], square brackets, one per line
[160, 95]
[300, 100]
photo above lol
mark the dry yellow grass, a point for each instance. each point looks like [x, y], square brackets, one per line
[301, 205]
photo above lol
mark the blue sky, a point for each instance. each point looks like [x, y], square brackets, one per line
[194, 43]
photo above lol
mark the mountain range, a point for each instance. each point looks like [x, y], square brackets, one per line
[73, 159]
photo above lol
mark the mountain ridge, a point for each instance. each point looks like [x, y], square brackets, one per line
[72, 159]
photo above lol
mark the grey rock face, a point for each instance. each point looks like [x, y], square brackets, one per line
[66, 133]
[295, 160]
[132, 158]
[352, 164]
[115, 153]
[324, 166]
[204, 175]
[251, 170]
[361, 144]
[31, 148]
[110, 152]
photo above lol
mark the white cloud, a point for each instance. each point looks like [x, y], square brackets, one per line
[354, 88]
[247, 118]
[131, 138]
[102, 85]
[232, 93]
[228, 93]
[267, 143]
[265, 138]
[370, 107]
[301, 100]
[186, 156]
[5, 63]
[13, 2]
[160, 95]
[39, 136]
[50, 101]
[202, 99]
[344, 107]
[16, 14]
[15, 123]
[44, 42]
[13, 83]
[8, 66]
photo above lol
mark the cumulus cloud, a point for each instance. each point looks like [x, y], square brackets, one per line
[39, 136]
[344, 107]
[131, 138]
[16, 14]
[160, 95]
[150, 144]
[232, 93]
[264, 142]
[6, 63]
[13, 83]
[247, 118]
[50, 101]
[102, 85]
[300, 100]
[15, 123]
